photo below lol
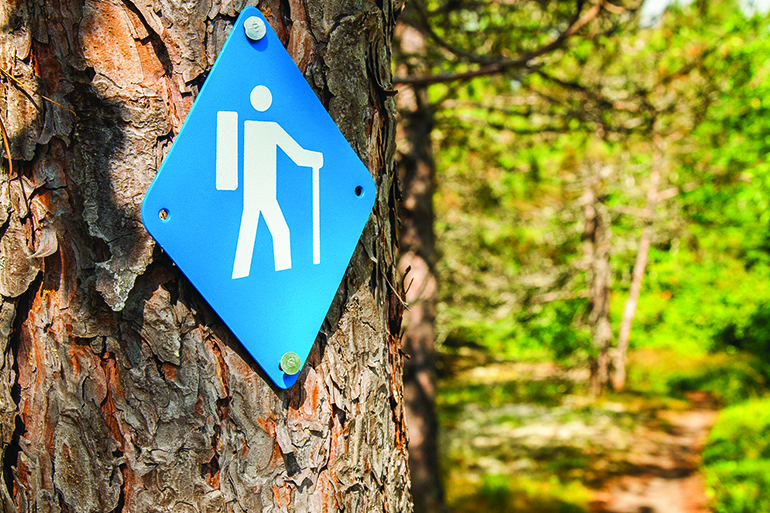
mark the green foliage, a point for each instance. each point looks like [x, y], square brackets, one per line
[505, 494]
[545, 332]
[550, 392]
[514, 154]
[729, 378]
[701, 299]
[737, 459]
[740, 486]
[742, 433]
[750, 334]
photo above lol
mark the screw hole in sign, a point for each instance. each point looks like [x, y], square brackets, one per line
[359, 190]
[163, 214]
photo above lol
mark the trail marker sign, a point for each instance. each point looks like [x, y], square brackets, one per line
[261, 200]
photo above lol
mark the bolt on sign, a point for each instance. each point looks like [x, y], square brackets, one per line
[261, 200]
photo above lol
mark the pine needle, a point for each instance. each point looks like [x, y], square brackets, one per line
[20, 84]
[7, 146]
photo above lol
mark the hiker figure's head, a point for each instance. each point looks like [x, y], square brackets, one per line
[261, 98]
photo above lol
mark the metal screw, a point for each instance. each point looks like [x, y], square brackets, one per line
[291, 363]
[255, 28]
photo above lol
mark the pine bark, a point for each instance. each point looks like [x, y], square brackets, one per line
[120, 389]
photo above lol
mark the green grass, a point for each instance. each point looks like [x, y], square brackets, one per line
[507, 494]
[549, 392]
[730, 378]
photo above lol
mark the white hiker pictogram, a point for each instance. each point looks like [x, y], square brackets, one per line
[261, 142]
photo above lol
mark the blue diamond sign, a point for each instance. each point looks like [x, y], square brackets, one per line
[261, 200]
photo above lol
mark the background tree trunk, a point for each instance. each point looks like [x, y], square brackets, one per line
[416, 263]
[597, 234]
[120, 389]
[640, 267]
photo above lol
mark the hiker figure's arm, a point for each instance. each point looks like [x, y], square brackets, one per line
[300, 156]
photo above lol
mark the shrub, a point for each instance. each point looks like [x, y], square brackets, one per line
[741, 433]
[740, 486]
[737, 459]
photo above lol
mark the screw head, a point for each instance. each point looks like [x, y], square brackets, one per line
[255, 28]
[291, 363]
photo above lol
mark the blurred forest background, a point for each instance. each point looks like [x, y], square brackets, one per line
[586, 249]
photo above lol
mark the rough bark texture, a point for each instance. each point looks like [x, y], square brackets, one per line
[640, 267]
[120, 390]
[416, 263]
[597, 233]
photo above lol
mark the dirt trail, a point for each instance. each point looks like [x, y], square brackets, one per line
[521, 437]
[663, 463]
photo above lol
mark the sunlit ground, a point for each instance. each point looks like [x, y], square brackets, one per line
[525, 437]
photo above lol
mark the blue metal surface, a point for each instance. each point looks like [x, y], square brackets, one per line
[212, 203]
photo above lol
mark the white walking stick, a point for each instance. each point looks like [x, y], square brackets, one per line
[316, 219]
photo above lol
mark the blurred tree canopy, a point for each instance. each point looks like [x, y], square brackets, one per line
[516, 152]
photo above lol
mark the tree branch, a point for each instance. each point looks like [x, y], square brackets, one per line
[559, 295]
[507, 64]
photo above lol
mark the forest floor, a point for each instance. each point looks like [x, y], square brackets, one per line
[665, 463]
[525, 438]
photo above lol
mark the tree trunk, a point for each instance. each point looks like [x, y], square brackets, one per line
[120, 389]
[416, 169]
[416, 264]
[640, 267]
[597, 235]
